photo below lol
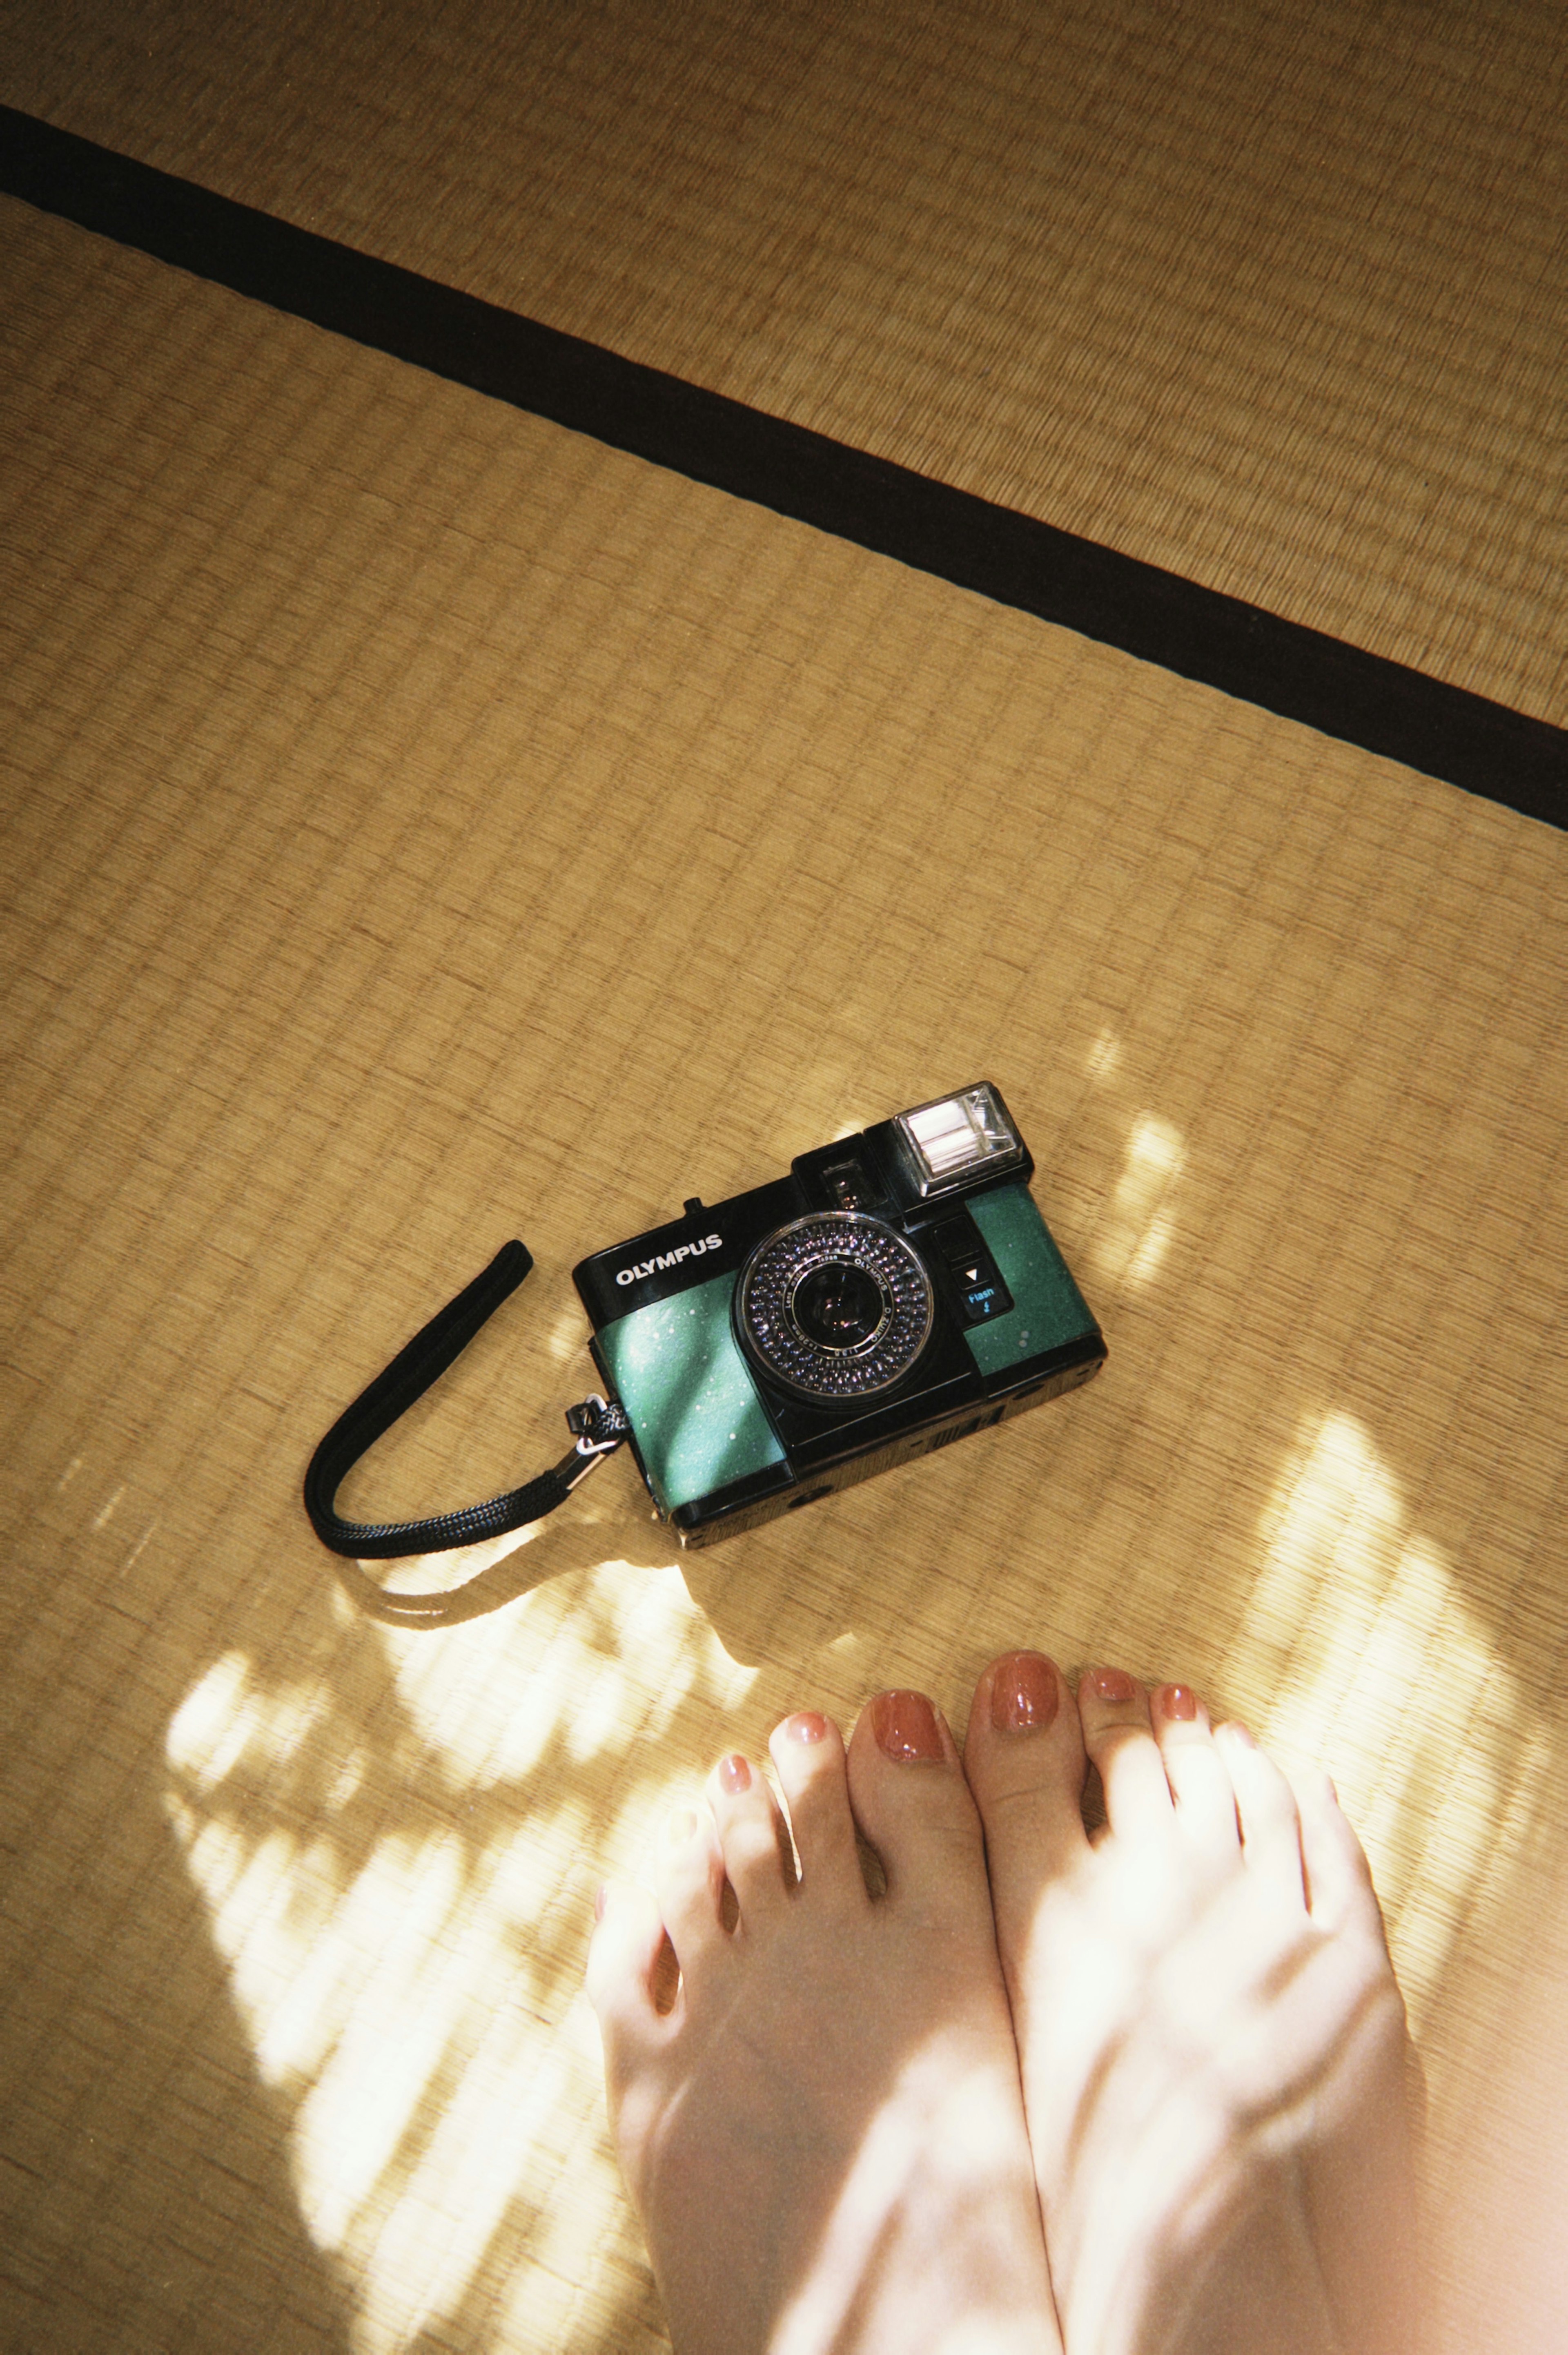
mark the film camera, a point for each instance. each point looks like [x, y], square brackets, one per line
[897, 1291]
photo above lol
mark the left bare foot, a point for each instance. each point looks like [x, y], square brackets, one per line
[823, 2132]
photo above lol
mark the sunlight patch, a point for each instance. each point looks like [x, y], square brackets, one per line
[1355, 1620]
[403, 1897]
[1132, 1237]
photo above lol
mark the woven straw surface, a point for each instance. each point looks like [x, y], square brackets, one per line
[1275, 298]
[423, 825]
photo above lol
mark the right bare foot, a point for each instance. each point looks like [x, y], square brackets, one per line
[1213, 2044]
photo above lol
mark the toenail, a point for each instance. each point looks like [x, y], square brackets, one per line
[1023, 1695]
[1113, 1684]
[905, 1727]
[806, 1725]
[734, 1772]
[1239, 1732]
[600, 1900]
[1179, 1701]
[680, 1825]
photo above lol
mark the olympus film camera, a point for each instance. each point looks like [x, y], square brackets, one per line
[895, 1291]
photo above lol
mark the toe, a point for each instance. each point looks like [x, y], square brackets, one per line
[623, 1978]
[807, 1752]
[1266, 1808]
[1196, 1772]
[633, 1988]
[1023, 1760]
[753, 1839]
[1120, 1738]
[1339, 1882]
[909, 1796]
[689, 1883]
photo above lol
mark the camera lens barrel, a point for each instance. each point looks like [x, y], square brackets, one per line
[835, 1306]
[840, 1305]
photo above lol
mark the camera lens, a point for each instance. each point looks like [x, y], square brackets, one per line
[839, 1305]
[835, 1307]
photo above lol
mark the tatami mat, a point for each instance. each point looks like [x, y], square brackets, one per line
[1273, 298]
[423, 825]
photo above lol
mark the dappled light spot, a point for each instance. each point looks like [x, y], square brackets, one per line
[1133, 1235]
[225, 1716]
[1361, 1650]
[398, 1876]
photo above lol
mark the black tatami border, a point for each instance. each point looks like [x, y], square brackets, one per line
[1302, 673]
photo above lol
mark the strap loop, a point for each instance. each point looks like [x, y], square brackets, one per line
[598, 1429]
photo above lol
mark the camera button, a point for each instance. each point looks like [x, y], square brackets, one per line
[983, 1295]
[959, 1241]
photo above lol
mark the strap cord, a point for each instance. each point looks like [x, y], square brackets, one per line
[600, 1429]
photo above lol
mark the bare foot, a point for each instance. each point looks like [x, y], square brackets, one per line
[1214, 2048]
[823, 2132]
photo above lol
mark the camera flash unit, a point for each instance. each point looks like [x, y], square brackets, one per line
[958, 1137]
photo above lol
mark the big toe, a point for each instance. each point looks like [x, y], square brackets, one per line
[1024, 1761]
[906, 1787]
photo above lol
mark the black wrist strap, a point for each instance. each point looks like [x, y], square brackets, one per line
[600, 1429]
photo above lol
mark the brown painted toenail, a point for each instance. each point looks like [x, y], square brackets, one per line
[1113, 1684]
[905, 1724]
[1179, 1701]
[1023, 1695]
[734, 1772]
[806, 1725]
[600, 1900]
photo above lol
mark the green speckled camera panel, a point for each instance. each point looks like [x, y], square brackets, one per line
[694, 1408]
[1048, 1309]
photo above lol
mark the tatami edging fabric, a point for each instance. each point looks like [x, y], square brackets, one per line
[1323, 682]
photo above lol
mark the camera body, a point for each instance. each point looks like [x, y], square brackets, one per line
[895, 1291]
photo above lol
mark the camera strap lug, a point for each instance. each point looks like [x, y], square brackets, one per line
[598, 1428]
